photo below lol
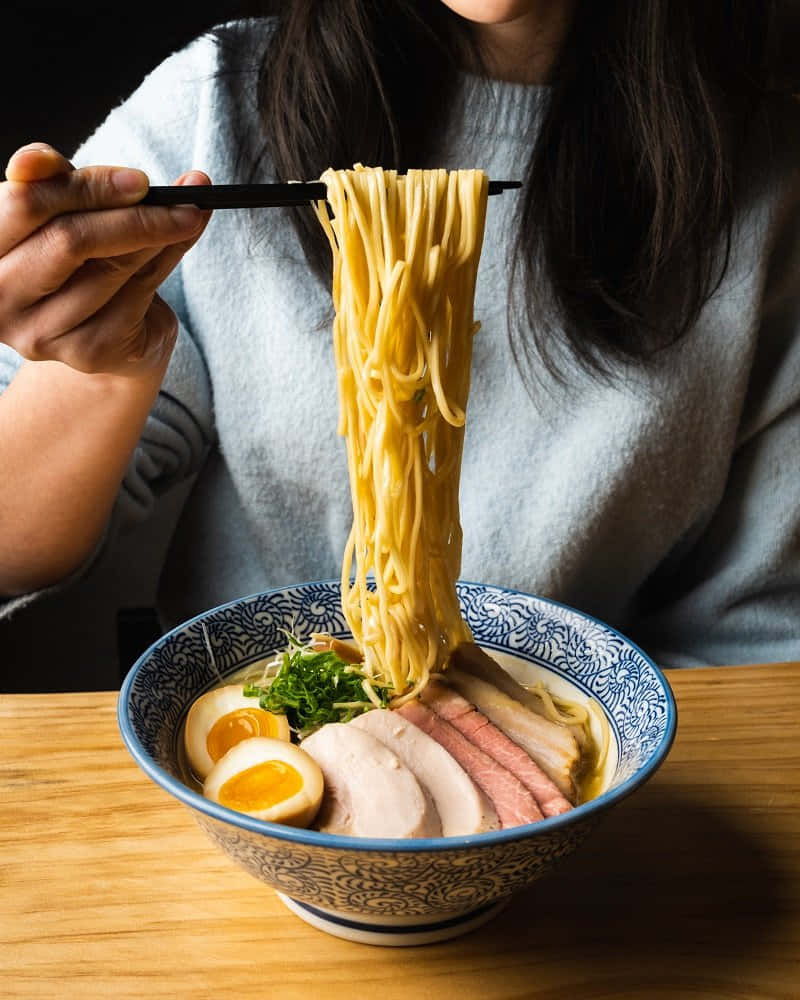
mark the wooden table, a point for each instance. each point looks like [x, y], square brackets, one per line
[689, 889]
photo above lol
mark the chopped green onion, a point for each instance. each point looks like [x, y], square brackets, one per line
[313, 687]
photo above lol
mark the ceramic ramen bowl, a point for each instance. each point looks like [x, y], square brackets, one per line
[400, 891]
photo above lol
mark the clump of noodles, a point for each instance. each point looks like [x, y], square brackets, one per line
[405, 261]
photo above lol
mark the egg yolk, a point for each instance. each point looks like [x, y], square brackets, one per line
[261, 786]
[236, 726]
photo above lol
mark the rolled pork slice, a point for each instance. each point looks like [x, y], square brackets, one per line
[463, 808]
[513, 802]
[550, 744]
[470, 658]
[456, 710]
[369, 792]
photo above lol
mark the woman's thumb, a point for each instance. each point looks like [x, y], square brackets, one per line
[36, 162]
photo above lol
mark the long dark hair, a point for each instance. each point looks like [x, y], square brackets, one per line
[627, 209]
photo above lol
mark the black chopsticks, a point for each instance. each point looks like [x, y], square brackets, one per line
[257, 195]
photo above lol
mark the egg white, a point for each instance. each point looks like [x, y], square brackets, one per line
[205, 711]
[298, 810]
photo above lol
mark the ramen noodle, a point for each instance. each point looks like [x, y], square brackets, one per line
[405, 259]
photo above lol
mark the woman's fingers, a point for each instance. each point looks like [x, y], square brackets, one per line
[82, 341]
[81, 296]
[144, 343]
[25, 206]
[55, 252]
[42, 185]
[43, 326]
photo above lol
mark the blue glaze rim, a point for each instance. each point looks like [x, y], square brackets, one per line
[395, 930]
[315, 838]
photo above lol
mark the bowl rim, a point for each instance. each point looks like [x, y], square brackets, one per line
[316, 838]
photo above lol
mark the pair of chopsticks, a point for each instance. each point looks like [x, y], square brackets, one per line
[213, 196]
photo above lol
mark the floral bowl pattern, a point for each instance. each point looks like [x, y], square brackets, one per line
[397, 891]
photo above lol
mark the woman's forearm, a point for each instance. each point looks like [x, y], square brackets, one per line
[65, 441]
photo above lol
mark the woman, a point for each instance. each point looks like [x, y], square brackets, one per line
[634, 421]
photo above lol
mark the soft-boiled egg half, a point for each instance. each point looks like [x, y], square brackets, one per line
[268, 779]
[220, 719]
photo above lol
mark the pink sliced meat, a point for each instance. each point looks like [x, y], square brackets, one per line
[456, 710]
[471, 659]
[550, 744]
[512, 801]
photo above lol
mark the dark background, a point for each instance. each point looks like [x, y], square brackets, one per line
[63, 66]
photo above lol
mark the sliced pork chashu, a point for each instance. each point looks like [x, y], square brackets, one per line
[513, 802]
[551, 745]
[456, 710]
[470, 658]
[369, 792]
[463, 808]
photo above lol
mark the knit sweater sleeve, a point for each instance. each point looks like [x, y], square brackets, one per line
[155, 130]
[736, 587]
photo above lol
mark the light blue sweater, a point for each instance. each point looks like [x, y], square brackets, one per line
[666, 503]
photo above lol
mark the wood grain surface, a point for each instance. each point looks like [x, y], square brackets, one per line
[689, 889]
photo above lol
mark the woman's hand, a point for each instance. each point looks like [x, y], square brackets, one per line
[80, 263]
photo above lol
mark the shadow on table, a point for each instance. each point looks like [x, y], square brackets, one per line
[663, 879]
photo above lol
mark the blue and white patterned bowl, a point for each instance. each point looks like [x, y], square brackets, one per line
[399, 891]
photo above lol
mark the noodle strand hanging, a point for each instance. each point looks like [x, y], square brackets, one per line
[405, 260]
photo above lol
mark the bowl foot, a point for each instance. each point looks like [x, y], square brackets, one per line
[388, 931]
